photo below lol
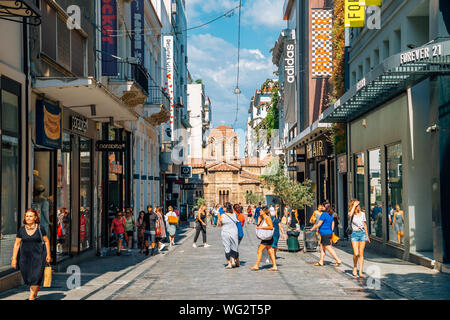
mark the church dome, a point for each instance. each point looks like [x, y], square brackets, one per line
[222, 131]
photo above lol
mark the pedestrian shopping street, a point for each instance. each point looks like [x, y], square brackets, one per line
[184, 272]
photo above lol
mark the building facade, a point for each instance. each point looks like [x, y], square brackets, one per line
[396, 151]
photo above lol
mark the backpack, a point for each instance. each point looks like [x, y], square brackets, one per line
[240, 230]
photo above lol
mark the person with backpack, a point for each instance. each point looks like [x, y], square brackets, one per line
[150, 219]
[230, 239]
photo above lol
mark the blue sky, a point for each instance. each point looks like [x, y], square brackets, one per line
[212, 52]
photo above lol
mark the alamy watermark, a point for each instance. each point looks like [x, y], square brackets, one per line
[74, 280]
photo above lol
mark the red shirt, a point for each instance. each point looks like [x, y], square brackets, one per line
[118, 226]
[241, 218]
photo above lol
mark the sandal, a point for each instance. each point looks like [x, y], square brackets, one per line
[337, 264]
[253, 268]
[273, 269]
[228, 267]
[318, 265]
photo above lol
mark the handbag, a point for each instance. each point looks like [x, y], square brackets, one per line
[47, 276]
[172, 220]
[350, 228]
[334, 238]
[158, 228]
[264, 234]
[240, 230]
[48, 268]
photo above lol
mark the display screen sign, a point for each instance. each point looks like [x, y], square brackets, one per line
[185, 172]
[168, 46]
[109, 37]
[322, 43]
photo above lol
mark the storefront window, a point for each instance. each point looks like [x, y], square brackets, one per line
[9, 176]
[396, 215]
[85, 193]
[376, 210]
[64, 198]
[360, 191]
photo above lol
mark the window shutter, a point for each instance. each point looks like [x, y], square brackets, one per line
[63, 44]
[78, 53]
[48, 30]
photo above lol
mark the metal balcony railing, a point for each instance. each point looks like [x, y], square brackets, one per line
[132, 72]
[158, 96]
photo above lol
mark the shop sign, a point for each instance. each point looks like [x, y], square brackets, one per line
[421, 54]
[48, 125]
[316, 149]
[137, 24]
[79, 123]
[292, 168]
[355, 13]
[186, 172]
[290, 87]
[342, 164]
[189, 186]
[109, 37]
[111, 146]
[301, 158]
[322, 46]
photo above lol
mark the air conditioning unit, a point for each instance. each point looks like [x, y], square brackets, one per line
[174, 8]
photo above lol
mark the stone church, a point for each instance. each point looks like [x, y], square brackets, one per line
[226, 177]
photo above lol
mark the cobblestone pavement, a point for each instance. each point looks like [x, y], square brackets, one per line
[184, 272]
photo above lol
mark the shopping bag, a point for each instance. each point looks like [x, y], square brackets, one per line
[334, 238]
[173, 220]
[47, 276]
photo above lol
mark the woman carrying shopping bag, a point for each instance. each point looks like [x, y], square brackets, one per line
[34, 247]
[264, 232]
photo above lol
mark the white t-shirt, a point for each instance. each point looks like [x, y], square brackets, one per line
[358, 221]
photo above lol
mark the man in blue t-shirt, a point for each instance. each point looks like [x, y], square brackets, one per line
[257, 212]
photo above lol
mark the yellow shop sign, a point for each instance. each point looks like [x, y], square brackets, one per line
[355, 13]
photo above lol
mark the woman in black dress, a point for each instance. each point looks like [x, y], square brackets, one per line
[33, 254]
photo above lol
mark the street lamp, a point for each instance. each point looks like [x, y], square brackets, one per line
[237, 90]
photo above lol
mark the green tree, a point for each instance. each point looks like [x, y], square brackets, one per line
[254, 198]
[296, 195]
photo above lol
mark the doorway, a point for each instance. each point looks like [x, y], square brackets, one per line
[44, 191]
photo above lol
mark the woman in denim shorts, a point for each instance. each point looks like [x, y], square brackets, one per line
[359, 236]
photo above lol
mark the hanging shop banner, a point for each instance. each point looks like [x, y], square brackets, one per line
[322, 43]
[355, 13]
[109, 37]
[48, 125]
[290, 83]
[168, 46]
[137, 24]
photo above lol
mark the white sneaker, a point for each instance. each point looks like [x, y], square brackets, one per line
[162, 247]
[206, 246]
[194, 245]
[173, 243]
[267, 261]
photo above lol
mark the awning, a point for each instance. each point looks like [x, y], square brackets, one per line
[10, 9]
[313, 130]
[389, 79]
[79, 94]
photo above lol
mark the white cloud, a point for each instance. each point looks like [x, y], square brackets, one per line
[214, 60]
[256, 13]
[267, 13]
